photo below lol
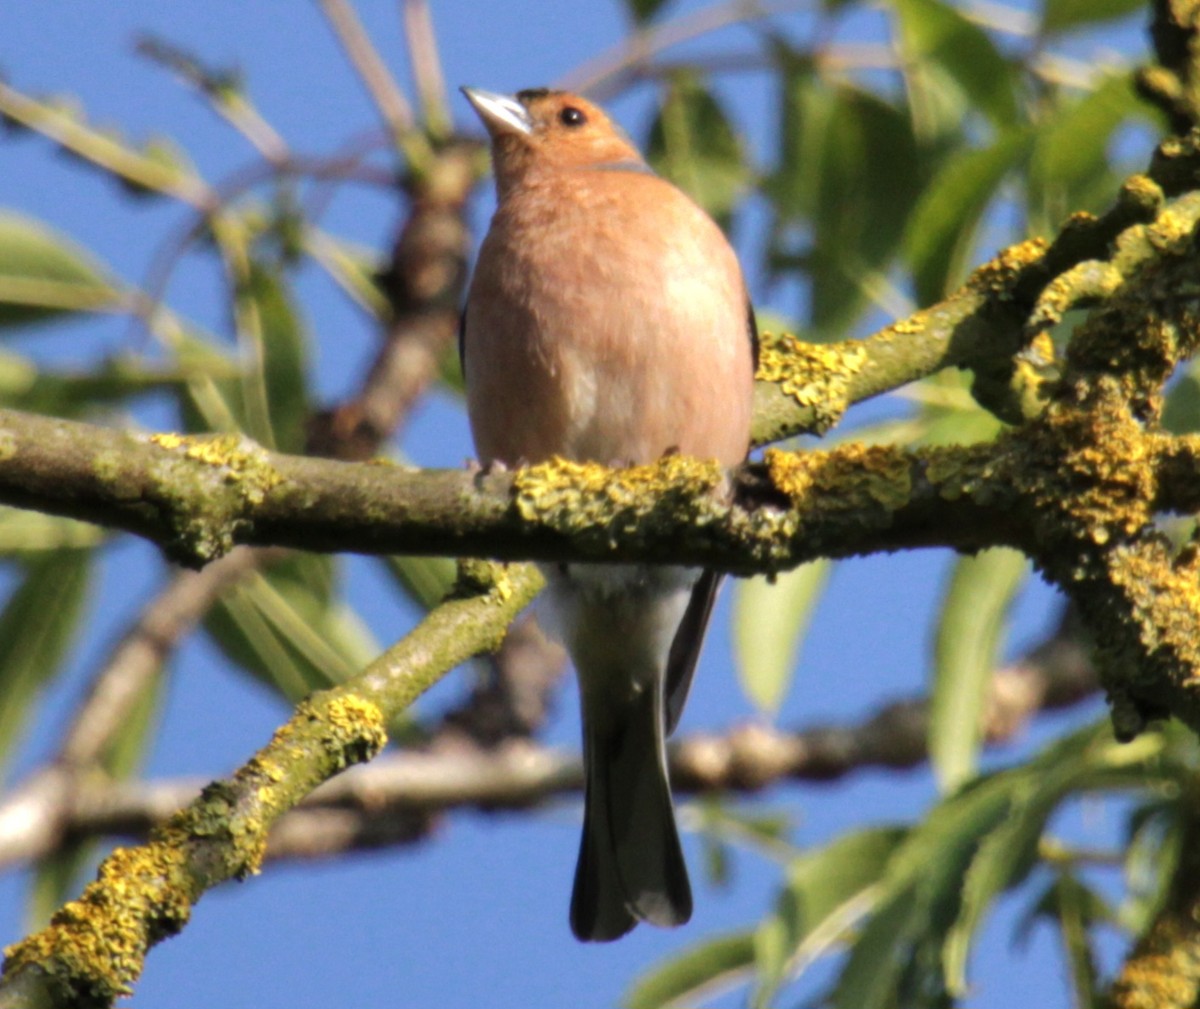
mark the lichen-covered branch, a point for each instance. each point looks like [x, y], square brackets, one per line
[94, 948]
[1163, 971]
[1001, 308]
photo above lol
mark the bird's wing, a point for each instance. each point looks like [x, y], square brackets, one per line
[685, 649]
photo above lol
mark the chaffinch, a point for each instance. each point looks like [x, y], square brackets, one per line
[608, 321]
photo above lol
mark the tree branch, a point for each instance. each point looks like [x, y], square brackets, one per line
[397, 798]
[94, 948]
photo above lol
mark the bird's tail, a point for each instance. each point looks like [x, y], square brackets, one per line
[630, 866]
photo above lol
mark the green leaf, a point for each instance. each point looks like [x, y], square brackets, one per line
[286, 627]
[37, 627]
[1181, 413]
[1062, 14]
[425, 580]
[23, 386]
[941, 232]
[919, 897]
[949, 413]
[689, 976]
[849, 170]
[55, 880]
[948, 870]
[45, 276]
[354, 268]
[770, 621]
[1006, 857]
[28, 532]
[284, 355]
[829, 891]
[693, 143]
[966, 649]
[1069, 167]
[934, 34]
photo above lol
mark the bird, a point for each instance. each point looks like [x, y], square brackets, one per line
[607, 320]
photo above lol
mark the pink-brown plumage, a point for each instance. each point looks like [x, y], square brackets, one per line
[607, 320]
[596, 332]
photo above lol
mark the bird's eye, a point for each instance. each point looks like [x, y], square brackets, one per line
[571, 116]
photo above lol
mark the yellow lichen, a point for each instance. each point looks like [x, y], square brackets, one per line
[245, 463]
[95, 946]
[1165, 970]
[997, 274]
[356, 717]
[167, 440]
[576, 496]
[853, 477]
[815, 375]
[911, 326]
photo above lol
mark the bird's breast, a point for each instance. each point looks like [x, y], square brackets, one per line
[607, 321]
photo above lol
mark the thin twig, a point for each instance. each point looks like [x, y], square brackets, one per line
[394, 799]
[389, 99]
[426, 65]
[604, 75]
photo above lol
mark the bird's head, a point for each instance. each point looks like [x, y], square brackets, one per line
[540, 128]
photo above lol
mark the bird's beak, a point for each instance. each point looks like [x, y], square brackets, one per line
[500, 113]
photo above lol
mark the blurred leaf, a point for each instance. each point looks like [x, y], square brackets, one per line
[829, 891]
[1069, 167]
[354, 268]
[55, 880]
[425, 580]
[1061, 14]
[850, 170]
[966, 650]
[941, 232]
[24, 386]
[933, 33]
[1046, 906]
[912, 952]
[1181, 413]
[693, 143]
[1074, 909]
[770, 621]
[284, 355]
[726, 824]
[1005, 858]
[44, 275]
[949, 414]
[1077, 909]
[29, 532]
[918, 899]
[693, 973]
[1155, 843]
[287, 628]
[37, 628]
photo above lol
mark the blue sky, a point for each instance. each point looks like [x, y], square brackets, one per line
[478, 915]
